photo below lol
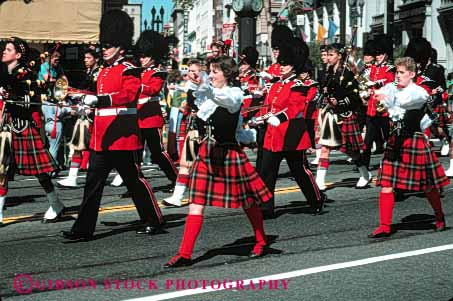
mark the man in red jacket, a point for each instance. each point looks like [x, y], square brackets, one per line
[286, 135]
[115, 139]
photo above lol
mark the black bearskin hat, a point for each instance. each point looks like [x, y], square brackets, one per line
[281, 35]
[250, 56]
[21, 46]
[152, 44]
[116, 29]
[419, 49]
[368, 48]
[383, 45]
[295, 54]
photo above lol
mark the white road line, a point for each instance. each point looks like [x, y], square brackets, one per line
[299, 273]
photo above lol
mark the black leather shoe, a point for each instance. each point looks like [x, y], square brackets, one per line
[178, 261]
[150, 230]
[318, 208]
[380, 234]
[70, 235]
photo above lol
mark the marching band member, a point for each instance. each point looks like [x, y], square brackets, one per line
[322, 73]
[83, 126]
[286, 135]
[249, 80]
[342, 100]
[431, 77]
[190, 147]
[116, 136]
[221, 175]
[409, 162]
[151, 47]
[30, 157]
[381, 73]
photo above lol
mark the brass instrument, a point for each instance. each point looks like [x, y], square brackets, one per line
[62, 89]
[380, 107]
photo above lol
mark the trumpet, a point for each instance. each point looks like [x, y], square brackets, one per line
[380, 107]
[62, 89]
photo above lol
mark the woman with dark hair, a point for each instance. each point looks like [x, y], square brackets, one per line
[30, 155]
[340, 126]
[221, 175]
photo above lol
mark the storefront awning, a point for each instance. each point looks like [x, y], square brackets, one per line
[47, 21]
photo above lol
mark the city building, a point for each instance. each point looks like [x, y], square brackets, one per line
[135, 12]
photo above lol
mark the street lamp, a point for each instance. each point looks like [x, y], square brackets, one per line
[361, 4]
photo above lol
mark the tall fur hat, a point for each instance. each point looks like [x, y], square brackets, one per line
[250, 56]
[383, 45]
[295, 54]
[281, 35]
[368, 48]
[152, 44]
[419, 49]
[116, 29]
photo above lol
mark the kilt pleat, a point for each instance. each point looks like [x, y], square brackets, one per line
[235, 184]
[417, 168]
[444, 119]
[30, 155]
[352, 136]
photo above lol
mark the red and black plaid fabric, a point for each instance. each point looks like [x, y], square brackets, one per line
[352, 136]
[416, 169]
[235, 184]
[30, 155]
[444, 120]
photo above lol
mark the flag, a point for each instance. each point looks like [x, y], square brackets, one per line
[321, 33]
[332, 30]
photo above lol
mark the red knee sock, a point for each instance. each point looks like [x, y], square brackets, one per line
[85, 159]
[191, 231]
[434, 199]
[256, 220]
[386, 204]
[183, 179]
[323, 163]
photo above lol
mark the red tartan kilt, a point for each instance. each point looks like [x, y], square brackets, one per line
[443, 120]
[234, 185]
[417, 168]
[352, 136]
[30, 155]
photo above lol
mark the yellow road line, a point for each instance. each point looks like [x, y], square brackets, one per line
[110, 209]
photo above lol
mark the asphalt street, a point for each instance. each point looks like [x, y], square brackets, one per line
[326, 257]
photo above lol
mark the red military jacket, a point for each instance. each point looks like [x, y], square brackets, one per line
[249, 83]
[311, 87]
[291, 134]
[274, 70]
[380, 74]
[148, 105]
[115, 123]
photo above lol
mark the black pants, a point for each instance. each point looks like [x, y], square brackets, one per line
[297, 165]
[377, 130]
[101, 163]
[260, 132]
[153, 137]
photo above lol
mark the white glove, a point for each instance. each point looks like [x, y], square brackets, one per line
[370, 83]
[274, 121]
[90, 100]
[265, 75]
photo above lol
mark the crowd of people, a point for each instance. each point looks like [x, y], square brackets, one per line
[215, 109]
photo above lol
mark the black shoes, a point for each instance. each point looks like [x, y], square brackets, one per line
[150, 230]
[178, 261]
[318, 208]
[2, 225]
[70, 235]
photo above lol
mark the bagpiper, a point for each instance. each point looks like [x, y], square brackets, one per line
[21, 123]
[286, 135]
[409, 162]
[116, 135]
[83, 127]
[338, 118]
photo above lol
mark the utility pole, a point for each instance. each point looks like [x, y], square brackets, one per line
[343, 22]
